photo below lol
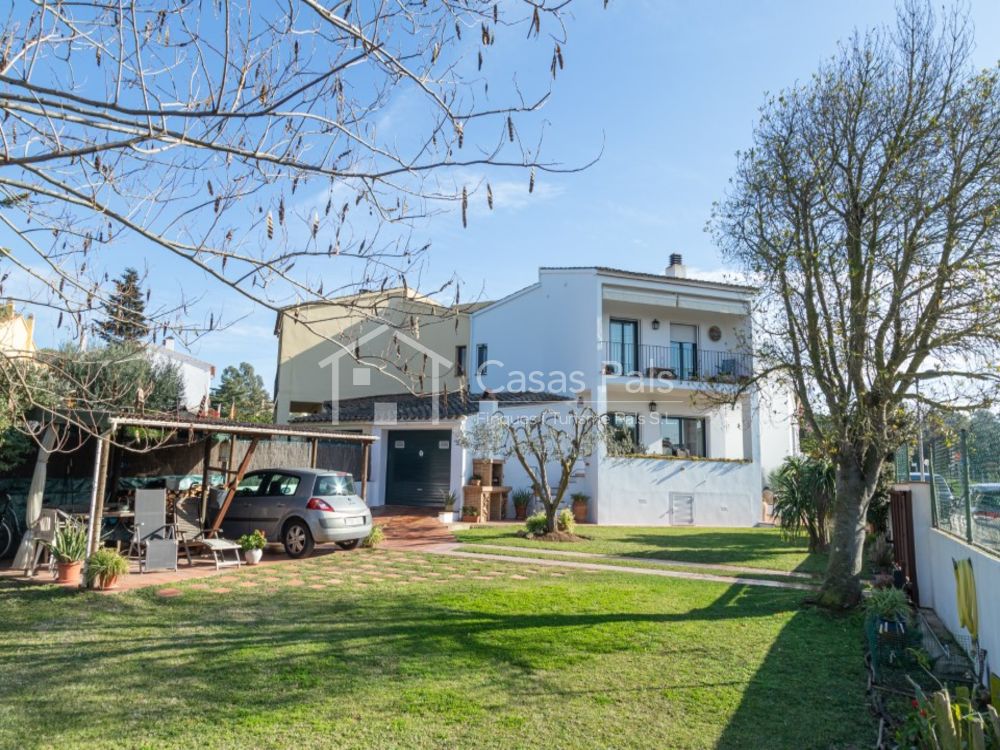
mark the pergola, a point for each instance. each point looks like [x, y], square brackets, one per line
[207, 426]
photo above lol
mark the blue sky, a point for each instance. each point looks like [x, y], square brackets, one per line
[670, 90]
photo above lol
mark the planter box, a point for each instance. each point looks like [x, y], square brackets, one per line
[447, 516]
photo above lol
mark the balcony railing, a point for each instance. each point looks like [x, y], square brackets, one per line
[675, 362]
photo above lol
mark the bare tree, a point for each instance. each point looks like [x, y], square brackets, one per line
[281, 150]
[550, 437]
[867, 212]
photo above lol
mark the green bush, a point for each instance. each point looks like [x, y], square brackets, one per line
[565, 521]
[535, 523]
[375, 537]
[804, 489]
[470, 510]
[889, 604]
[105, 565]
[522, 497]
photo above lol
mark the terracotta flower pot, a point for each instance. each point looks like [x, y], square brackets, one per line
[580, 511]
[520, 512]
[470, 519]
[106, 584]
[69, 572]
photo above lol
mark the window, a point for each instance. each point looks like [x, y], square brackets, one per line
[460, 360]
[482, 355]
[251, 485]
[334, 485]
[624, 345]
[624, 432]
[684, 350]
[686, 434]
[282, 484]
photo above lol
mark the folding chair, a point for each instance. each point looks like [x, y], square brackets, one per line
[191, 533]
[154, 541]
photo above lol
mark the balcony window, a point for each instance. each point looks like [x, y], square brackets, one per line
[684, 351]
[683, 435]
[624, 345]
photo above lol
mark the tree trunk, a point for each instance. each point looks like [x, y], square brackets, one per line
[841, 587]
[550, 516]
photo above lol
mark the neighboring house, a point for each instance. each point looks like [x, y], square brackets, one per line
[17, 333]
[196, 374]
[400, 337]
[658, 353]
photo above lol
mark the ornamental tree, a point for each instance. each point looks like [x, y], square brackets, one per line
[867, 211]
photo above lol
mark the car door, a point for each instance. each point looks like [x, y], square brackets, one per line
[239, 517]
[272, 505]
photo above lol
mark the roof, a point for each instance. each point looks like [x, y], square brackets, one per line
[412, 407]
[226, 426]
[653, 277]
[180, 357]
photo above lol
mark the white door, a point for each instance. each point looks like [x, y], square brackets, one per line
[681, 509]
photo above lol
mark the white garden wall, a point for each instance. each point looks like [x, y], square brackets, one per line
[637, 491]
[935, 551]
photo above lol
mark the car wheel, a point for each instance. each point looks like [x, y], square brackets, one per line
[349, 544]
[298, 540]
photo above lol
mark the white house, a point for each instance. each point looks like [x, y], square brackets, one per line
[663, 355]
[196, 374]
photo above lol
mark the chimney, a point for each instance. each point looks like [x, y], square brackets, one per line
[168, 343]
[676, 269]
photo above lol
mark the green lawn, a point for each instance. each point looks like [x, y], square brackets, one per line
[752, 548]
[558, 659]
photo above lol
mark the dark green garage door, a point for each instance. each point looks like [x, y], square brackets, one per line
[418, 470]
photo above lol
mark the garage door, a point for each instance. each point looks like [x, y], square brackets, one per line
[418, 470]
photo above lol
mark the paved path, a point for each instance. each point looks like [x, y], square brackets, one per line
[453, 550]
[653, 561]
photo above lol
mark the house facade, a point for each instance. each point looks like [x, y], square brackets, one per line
[667, 359]
[664, 356]
[196, 374]
[355, 345]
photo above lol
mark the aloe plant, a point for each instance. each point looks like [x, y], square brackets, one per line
[69, 544]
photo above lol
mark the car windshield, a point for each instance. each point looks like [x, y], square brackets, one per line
[334, 485]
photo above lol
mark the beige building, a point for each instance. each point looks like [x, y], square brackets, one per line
[370, 344]
[17, 333]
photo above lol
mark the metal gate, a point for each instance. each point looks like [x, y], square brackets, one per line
[901, 513]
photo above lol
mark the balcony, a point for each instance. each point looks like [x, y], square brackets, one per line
[675, 362]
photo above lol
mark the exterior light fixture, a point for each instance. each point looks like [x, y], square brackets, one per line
[652, 406]
[656, 324]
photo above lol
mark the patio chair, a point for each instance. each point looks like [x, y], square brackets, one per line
[43, 532]
[154, 542]
[191, 533]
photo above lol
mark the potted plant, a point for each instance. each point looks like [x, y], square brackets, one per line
[105, 567]
[476, 480]
[580, 500]
[521, 499]
[448, 499]
[69, 548]
[891, 610]
[470, 514]
[253, 546]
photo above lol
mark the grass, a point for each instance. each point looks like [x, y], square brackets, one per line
[558, 659]
[751, 548]
[647, 564]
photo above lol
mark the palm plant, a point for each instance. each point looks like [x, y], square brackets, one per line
[804, 489]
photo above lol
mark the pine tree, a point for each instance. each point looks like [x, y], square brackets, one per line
[125, 311]
[242, 391]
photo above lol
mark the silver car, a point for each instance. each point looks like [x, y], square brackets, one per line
[299, 507]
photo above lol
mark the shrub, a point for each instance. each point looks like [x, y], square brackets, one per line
[375, 537]
[535, 523]
[256, 540]
[580, 497]
[888, 604]
[565, 521]
[940, 722]
[803, 498]
[522, 497]
[105, 565]
[470, 510]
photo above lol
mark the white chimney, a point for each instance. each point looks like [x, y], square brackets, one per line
[676, 269]
[168, 343]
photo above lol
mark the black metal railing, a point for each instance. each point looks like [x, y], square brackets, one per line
[676, 362]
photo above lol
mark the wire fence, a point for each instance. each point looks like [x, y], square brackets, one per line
[964, 477]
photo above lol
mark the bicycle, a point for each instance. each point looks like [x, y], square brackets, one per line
[10, 527]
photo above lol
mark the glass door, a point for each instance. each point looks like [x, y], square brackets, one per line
[684, 350]
[624, 350]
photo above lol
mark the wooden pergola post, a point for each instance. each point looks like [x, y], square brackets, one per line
[97, 494]
[231, 489]
[314, 453]
[206, 475]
